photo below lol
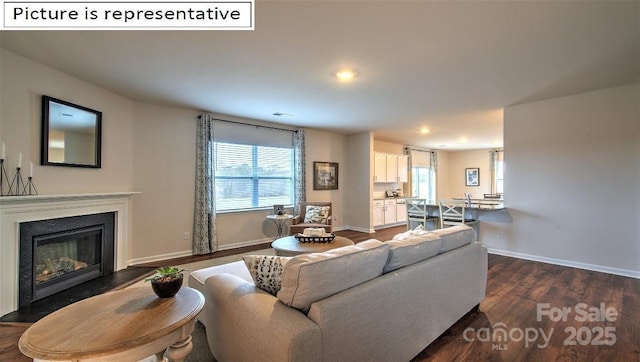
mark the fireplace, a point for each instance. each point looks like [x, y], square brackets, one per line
[57, 254]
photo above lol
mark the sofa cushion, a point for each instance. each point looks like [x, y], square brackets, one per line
[454, 237]
[266, 271]
[316, 214]
[311, 277]
[410, 250]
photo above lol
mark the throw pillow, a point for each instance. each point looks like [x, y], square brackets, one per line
[266, 271]
[316, 214]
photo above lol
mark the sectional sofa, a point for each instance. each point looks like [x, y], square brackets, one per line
[373, 301]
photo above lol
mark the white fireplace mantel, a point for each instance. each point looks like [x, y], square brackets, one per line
[17, 209]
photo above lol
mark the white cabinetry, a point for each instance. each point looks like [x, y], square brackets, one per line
[380, 167]
[378, 212]
[389, 212]
[390, 168]
[403, 168]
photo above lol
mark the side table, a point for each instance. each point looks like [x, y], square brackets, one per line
[280, 221]
[126, 325]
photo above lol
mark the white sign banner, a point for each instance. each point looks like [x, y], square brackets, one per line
[105, 15]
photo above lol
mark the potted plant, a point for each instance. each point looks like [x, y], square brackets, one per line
[167, 281]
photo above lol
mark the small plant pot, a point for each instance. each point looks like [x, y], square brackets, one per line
[166, 289]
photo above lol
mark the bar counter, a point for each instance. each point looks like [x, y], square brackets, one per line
[480, 210]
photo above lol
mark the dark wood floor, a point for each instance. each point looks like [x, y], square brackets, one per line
[515, 289]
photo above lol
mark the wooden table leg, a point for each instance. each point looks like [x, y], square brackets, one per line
[180, 350]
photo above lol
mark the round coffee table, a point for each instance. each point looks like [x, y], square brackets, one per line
[290, 246]
[125, 325]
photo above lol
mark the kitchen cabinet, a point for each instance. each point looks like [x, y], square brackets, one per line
[389, 212]
[378, 212]
[380, 167]
[390, 168]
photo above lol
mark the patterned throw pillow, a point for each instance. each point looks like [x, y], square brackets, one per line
[316, 214]
[266, 271]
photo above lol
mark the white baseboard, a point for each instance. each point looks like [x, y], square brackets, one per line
[245, 243]
[154, 258]
[356, 228]
[569, 263]
[381, 227]
[180, 254]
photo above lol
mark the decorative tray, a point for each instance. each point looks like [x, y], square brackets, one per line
[327, 238]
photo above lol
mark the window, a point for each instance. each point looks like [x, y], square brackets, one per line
[423, 174]
[251, 176]
[498, 173]
[423, 183]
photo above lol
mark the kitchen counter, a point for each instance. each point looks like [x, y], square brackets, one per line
[483, 204]
[481, 210]
[491, 204]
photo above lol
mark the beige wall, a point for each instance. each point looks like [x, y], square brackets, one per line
[572, 181]
[565, 158]
[444, 189]
[358, 208]
[388, 147]
[23, 84]
[454, 173]
[146, 148]
[324, 146]
[164, 171]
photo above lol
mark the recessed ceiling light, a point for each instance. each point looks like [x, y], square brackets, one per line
[424, 130]
[464, 139]
[346, 75]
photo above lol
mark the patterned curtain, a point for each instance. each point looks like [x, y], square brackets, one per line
[434, 161]
[300, 194]
[408, 186]
[204, 224]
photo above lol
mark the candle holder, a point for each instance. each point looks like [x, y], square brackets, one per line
[17, 185]
[4, 179]
[30, 188]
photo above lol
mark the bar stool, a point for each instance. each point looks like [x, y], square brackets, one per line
[452, 213]
[417, 211]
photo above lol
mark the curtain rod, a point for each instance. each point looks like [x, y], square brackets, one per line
[418, 149]
[250, 124]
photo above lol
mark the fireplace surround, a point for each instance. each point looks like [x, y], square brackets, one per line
[15, 210]
[57, 254]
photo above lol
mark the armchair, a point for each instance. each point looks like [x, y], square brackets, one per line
[301, 221]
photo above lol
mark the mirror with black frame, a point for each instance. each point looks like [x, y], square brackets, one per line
[71, 134]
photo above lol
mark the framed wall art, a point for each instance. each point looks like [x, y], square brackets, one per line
[325, 175]
[472, 176]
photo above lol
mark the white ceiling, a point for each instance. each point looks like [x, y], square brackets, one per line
[449, 66]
